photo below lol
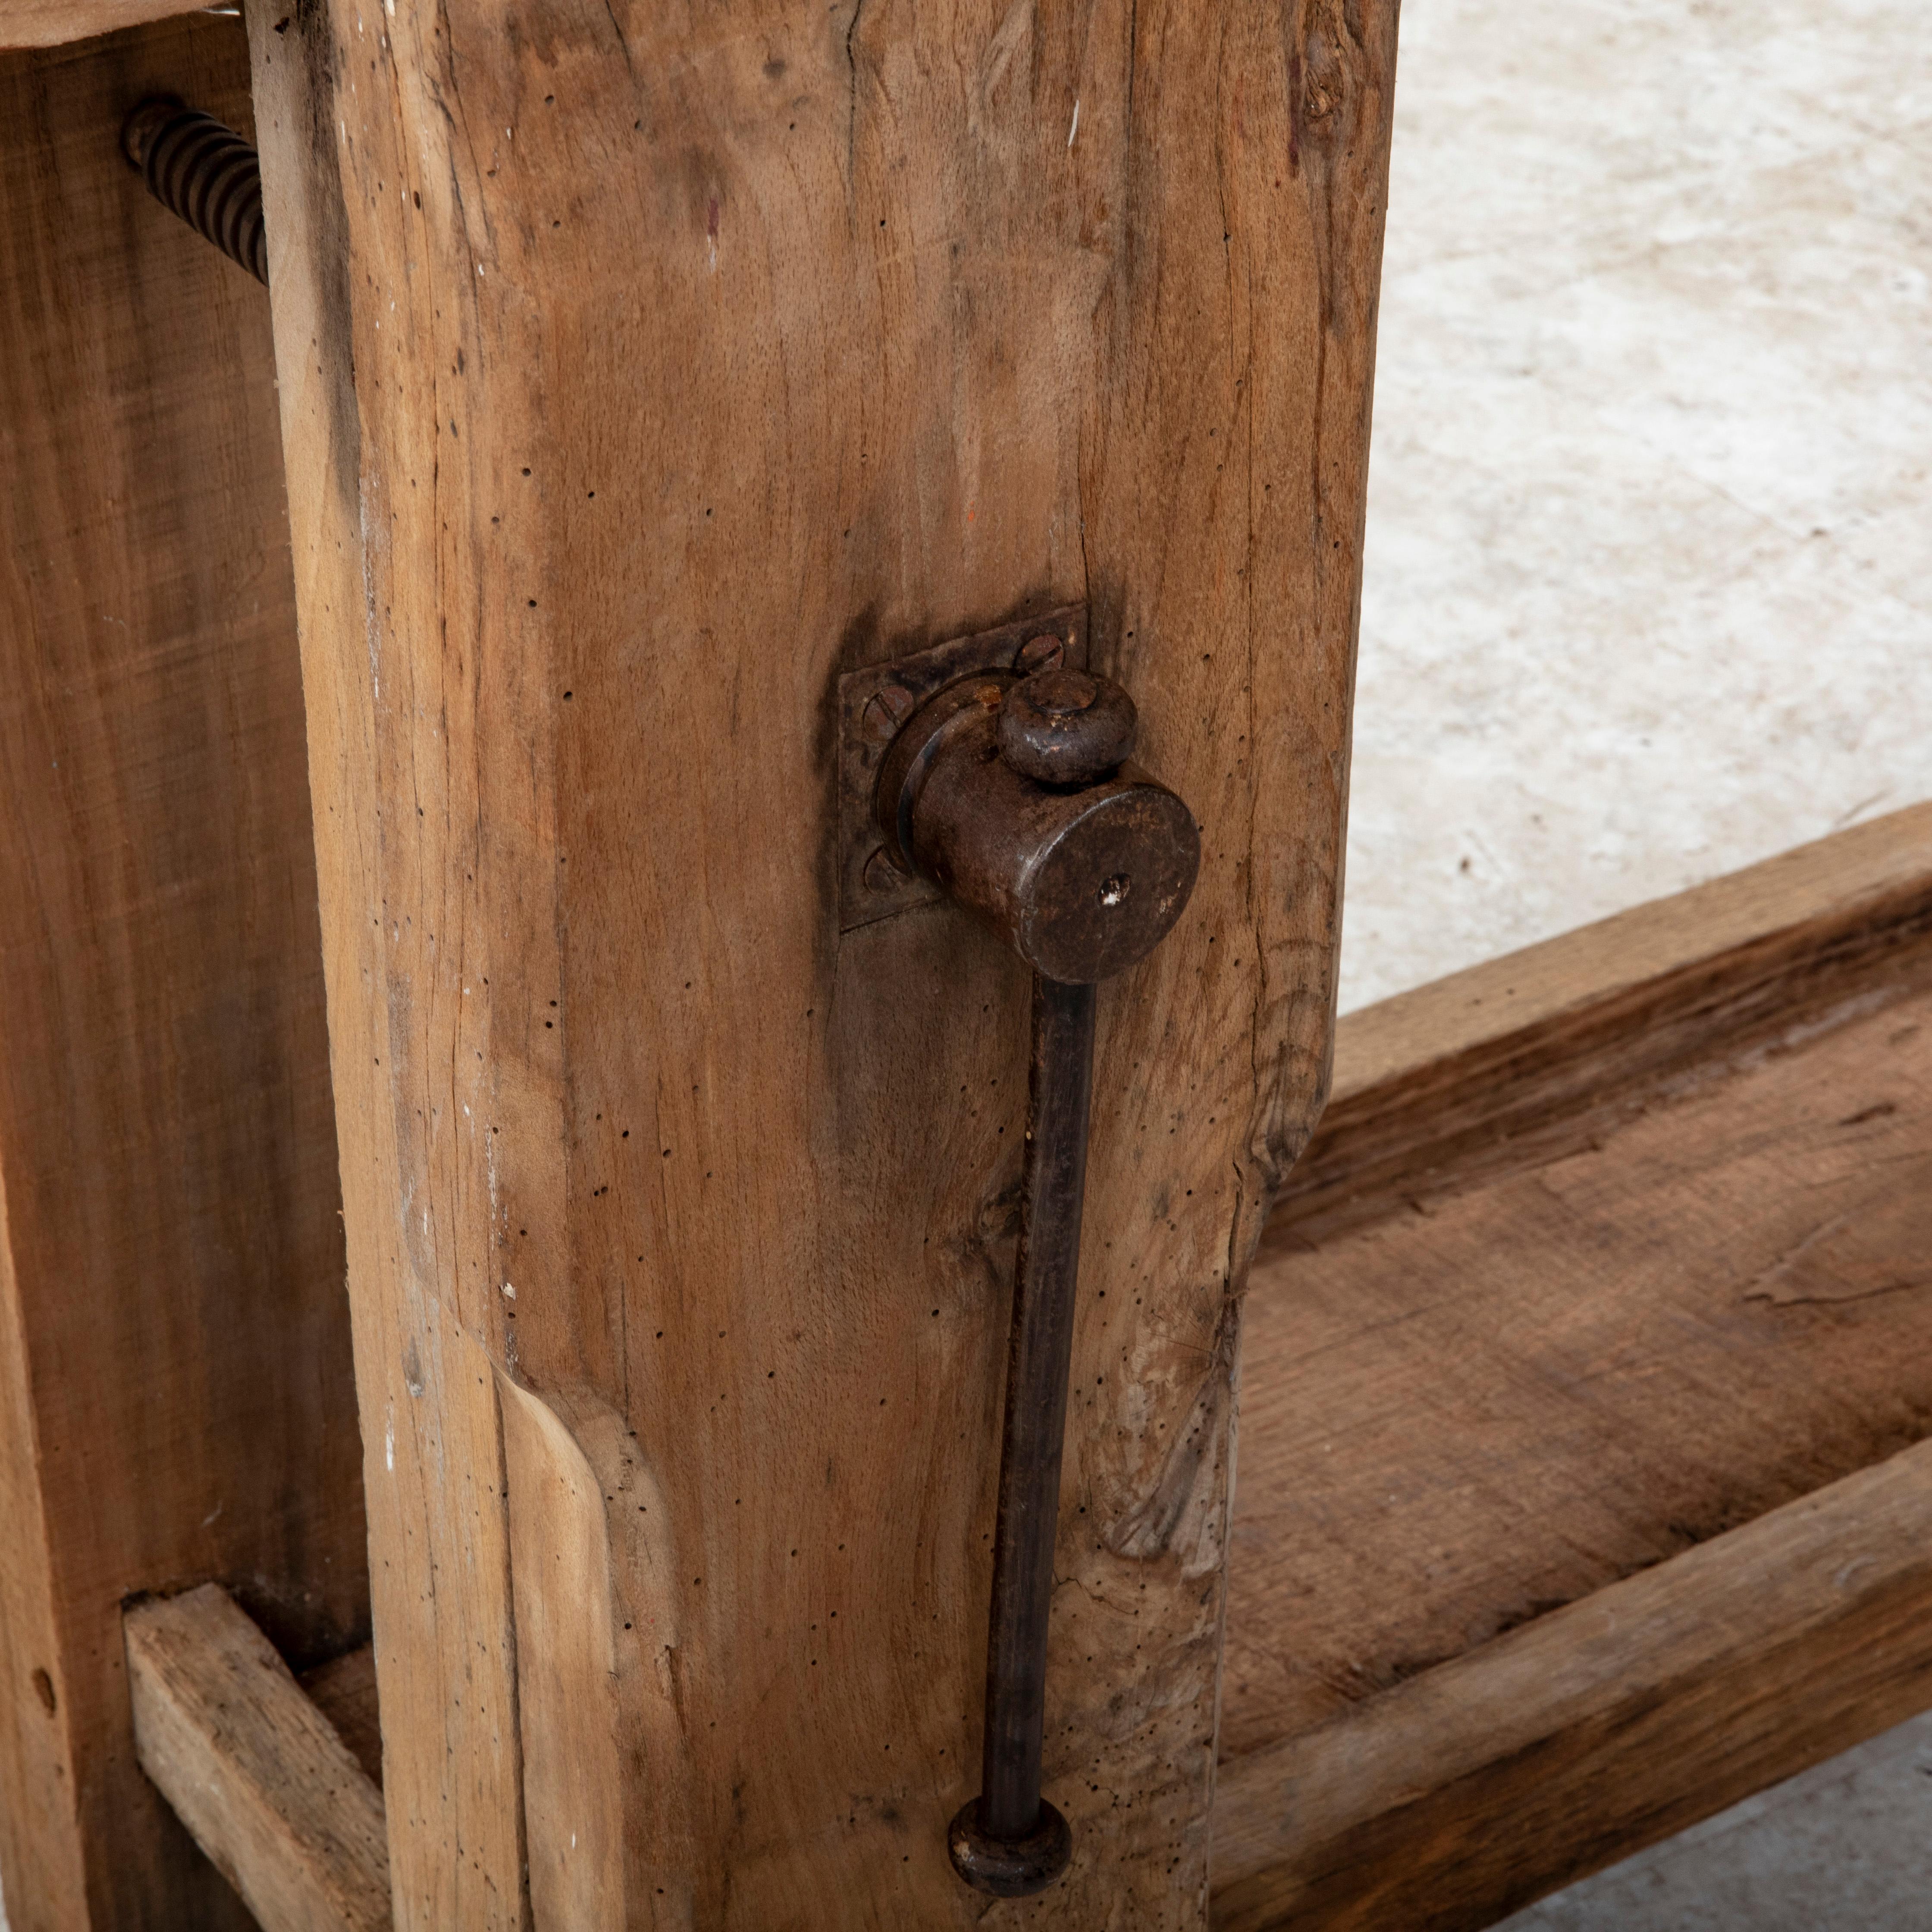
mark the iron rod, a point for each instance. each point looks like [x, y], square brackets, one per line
[1010, 1811]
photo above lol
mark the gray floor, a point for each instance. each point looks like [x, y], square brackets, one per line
[1649, 586]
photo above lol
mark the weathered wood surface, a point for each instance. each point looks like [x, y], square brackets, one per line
[49, 23]
[343, 1690]
[433, 1447]
[1459, 1418]
[642, 371]
[177, 1403]
[1533, 1055]
[253, 1769]
[1450, 1802]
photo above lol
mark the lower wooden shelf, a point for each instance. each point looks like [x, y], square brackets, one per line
[1557, 1526]
[1479, 1785]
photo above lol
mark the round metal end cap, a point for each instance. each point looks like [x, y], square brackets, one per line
[1110, 885]
[1067, 727]
[1010, 1867]
[138, 132]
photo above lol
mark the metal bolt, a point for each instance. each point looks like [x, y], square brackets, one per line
[1065, 727]
[1046, 652]
[886, 710]
[1063, 695]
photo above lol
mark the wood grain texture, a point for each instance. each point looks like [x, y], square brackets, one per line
[1450, 1802]
[432, 1436]
[178, 1400]
[253, 1769]
[595, 1695]
[50, 23]
[642, 369]
[1522, 1058]
[343, 1690]
[42, 1866]
[1457, 1421]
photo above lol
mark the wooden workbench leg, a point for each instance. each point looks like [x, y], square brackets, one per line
[176, 1399]
[642, 369]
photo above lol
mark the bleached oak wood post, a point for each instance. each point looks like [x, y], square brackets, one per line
[642, 369]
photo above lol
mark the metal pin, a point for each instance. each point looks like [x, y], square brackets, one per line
[1012, 793]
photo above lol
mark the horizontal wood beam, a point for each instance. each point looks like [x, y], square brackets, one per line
[51, 23]
[1637, 1270]
[1526, 1057]
[1487, 1782]
[253, 1768]
[343, 1690]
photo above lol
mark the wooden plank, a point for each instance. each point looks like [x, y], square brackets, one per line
[445, 1639]
[252, 1768]
[174, 1343]
[1534, 1054]
[642, 371]
[1466, 1792]
[1457, 1421]
[51, 23]
[591, 1691]
[1732, 931]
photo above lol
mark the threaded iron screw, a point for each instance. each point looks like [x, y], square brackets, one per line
[204, 173]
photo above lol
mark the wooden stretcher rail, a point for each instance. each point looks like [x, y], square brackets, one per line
[344, 1690]
[254, 1769]
[1527, 1056]
[1601, 1728]
[1480, 1397]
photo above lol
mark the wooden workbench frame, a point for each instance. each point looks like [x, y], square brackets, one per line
[514, 1428]
[176, 1405]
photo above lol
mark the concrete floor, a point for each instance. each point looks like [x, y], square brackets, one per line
[1649, 586]
[1649, 565]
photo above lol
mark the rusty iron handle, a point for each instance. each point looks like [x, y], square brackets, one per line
[1013, 793]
